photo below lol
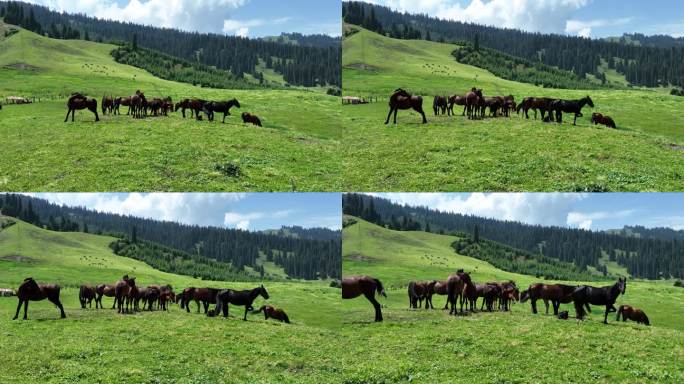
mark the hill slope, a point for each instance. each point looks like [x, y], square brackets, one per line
[296, 149]
[86, 346]
[451, 153]
[422, 345]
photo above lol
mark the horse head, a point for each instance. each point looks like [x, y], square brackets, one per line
[622, 285]
[589, 101]
[263, 292]
[235, 102]
[401, 92]
[131, 282]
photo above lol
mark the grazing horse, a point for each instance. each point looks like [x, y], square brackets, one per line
[155, 105]
[570, 106]
[119, 101]
[152, 295]
[429, 291]
[457, 100]
[29, 290]
[104, 290]
[474, 100]
[417, 291]
[557, 294]
[107, 104]
[440, 288]
[249, 118]
[493, 103]
[78, 101]
[455, 290]
[634, 314]
[246, 298]
[586, 294]
[219, 106]
[86, 295]
[271, 312]
[355, 286]
[440, 103]
[598, 118]
[508, 105]
[489, 293]
[401, 99]
[125, 292]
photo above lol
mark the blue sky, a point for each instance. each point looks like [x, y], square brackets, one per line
[252, 211]
[596, 211]
[252, 18]
[591, 18]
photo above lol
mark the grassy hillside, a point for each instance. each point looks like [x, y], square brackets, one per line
[102, 346]
[297, 148]
[452, 153]
[516, 347]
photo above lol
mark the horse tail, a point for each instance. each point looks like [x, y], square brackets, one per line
[379, 288]
[619, 312]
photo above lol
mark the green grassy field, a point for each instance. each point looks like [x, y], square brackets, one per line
[100, 346]
[297, 149]
[419, 345]
[503, 154]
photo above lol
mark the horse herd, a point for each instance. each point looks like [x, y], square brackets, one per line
[475, 106]
[128, 296]
[459, 288]
[139, 107]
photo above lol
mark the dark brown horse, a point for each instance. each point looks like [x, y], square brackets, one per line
[107, 104]
[86, 295]
[228, 296]
[607, 295]
[139, 104]
[355, 286]
[219, 106]
[194, 105]
[634, 314]
[440, 288]
[535, 103]
[155, 106]
[125, 292]
[508, 105]
[199, 295]
[118, 102]
[440, 104]
[474, 100]
[401, 99]
[455, 291]
[469, 291]
[557, 294]
[569, 106]
[249, 118]
[274, 313]
[29, 290]
[76, 102]
[493, 103]
[598, 118]
[104, 290]
[489, 293]
[418, 291]
[457, 100]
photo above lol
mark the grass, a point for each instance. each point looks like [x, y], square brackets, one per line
[503, 154]
[159, 347]
[516, 347]
[297, 149]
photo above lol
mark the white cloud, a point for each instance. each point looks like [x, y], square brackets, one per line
[531, 208]
[532, 15]
[242, 220]
[241, 27]
[583, 27]
[585, 220]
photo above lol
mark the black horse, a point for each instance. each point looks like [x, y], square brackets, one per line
[585, 294]
[219, 106]
[246, 298]
[570, 106]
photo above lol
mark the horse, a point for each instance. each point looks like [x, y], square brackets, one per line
[634, 314]
[119, 101]
[194, 105]
[454, 290]
[125, 292]
[489, 293]
[86, 295]
[155, 105]
[29, 290]
[246, 298]
[417, 291]
[271, 312]
[151, 296]
[457, 100]
[203, 295]
[440, 103]
[507, 292]
[570, 106]
[534, 103]
[401, 99]
[107, 104]
[557, 294]
[429, 291]
[249, 118]
[607, 295]
[139, 104]
[219, 106]
[508, 105]
[473, 102]
[355, 286]
[104, 290]
[440, 288]
[78, 101]
[469, 292]
[493, 103]
[598, 118]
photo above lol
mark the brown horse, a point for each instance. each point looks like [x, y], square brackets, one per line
[355, 286]
[86, 295]
[155, 105]
[469, 292]
[125, 293]
[557, 294]
[543, 104]
[489, 293]
[474, 100]
[417, 291]
[76, 102]
[199, 295]
[107, 104]
[29, 290]
[249, 118]
[271, 312]
[440, 103]
[508, 105]
[455, 291]
[634, 314]
[139, 104]
[401, 99]
[194, 105]
[598, 118]
[119, 101]
[493, 103]
[457, 100]
[104, 290]
[440, 288]
[219, 106]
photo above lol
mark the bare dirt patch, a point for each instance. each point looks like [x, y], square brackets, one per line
[18, 258]
[22, 67]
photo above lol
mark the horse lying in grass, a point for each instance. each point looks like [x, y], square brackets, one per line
[249, 118]
[598, 118]
[273, 313]
[634, 314]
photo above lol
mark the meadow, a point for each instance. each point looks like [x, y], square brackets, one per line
[101, 346]
[502, 154]
[418, 345]
[297, 149]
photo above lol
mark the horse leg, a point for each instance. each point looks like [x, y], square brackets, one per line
[464, 111]
[378, 313]
[26, 303]
[605, 316]
[575, 121]
[94, 110]
[388, 115]
[245, 317]
[224, 118]
[55, 301]
[18, 308]
[420, 110]
[395, 115]
[67, 116]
